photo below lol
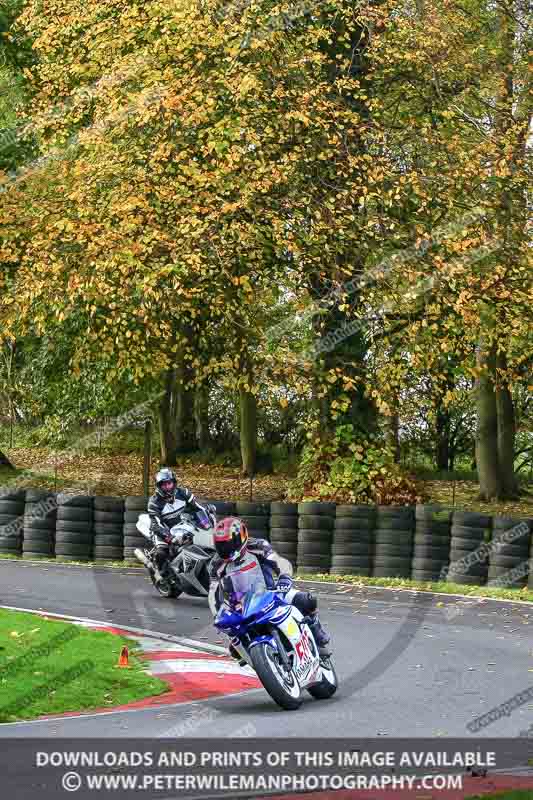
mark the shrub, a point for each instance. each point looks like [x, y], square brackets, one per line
[352, 469]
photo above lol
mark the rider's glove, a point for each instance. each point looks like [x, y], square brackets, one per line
[187, 538]
[284, 584]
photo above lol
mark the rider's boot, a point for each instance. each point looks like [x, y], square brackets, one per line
[320, 636]
[161, 565]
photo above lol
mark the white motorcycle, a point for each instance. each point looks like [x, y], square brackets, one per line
[190, 554]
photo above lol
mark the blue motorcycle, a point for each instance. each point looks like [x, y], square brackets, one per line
[274, 638]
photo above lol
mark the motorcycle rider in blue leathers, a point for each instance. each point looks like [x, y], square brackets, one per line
[242, 562]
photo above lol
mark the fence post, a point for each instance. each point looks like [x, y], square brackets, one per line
[147, 456]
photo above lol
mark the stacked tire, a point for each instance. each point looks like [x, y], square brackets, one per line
[11, 520]
[108, 529]
[509, 552]
[257, 518]
[469, 548]
[284, 530]
[353, 540]
[224, 508]
[40, 512]
[316, 522]
[133, 508]
[394, 537]
[74, 528]
[431, 552]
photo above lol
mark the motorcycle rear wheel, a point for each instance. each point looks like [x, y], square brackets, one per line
[329, 683]
[164, 587]
[282, 685]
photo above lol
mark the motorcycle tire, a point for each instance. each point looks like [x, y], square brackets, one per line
[329, 683]
[285, 691]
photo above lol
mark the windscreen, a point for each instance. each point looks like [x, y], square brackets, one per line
[202, 519]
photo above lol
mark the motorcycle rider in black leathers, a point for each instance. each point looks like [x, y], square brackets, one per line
[165, 508]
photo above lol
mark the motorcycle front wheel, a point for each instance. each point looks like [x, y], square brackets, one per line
[164, 587]
[281, 684]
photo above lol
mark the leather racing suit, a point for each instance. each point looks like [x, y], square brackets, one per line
[164, 513]
[260, 566]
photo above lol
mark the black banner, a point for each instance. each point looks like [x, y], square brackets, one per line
[208, 768]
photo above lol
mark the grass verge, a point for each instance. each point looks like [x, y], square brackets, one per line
[423, 586]
[50, 667]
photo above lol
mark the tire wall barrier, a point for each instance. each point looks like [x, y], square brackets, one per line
[469, 547]
[256, 516]
[284, 530]
[423, 542]
[132, 538]
[39, 524]
[431, 544]
[109, 521]
[394, 537]
[353, 540]
[509, 552]
[11, 521]
[316, 522]
[74, 534]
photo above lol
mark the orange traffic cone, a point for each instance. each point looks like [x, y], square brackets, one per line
[124, 659]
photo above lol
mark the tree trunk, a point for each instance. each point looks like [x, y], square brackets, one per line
[393, 435]
[442, 448]
[201, 416]
[487, 426]
[512, 218]
[248, 418]
[506, 433]
[185, 428]
[453, 446]
[167, 420]
[341, 345]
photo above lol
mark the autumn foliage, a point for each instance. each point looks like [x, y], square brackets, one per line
[207, 171]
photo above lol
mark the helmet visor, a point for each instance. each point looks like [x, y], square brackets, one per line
[225, 549]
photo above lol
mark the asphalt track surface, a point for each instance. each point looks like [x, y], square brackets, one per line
[410, 664]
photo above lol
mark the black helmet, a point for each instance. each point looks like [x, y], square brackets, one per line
[166, 475]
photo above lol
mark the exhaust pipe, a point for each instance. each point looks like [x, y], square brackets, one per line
[138, 553]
